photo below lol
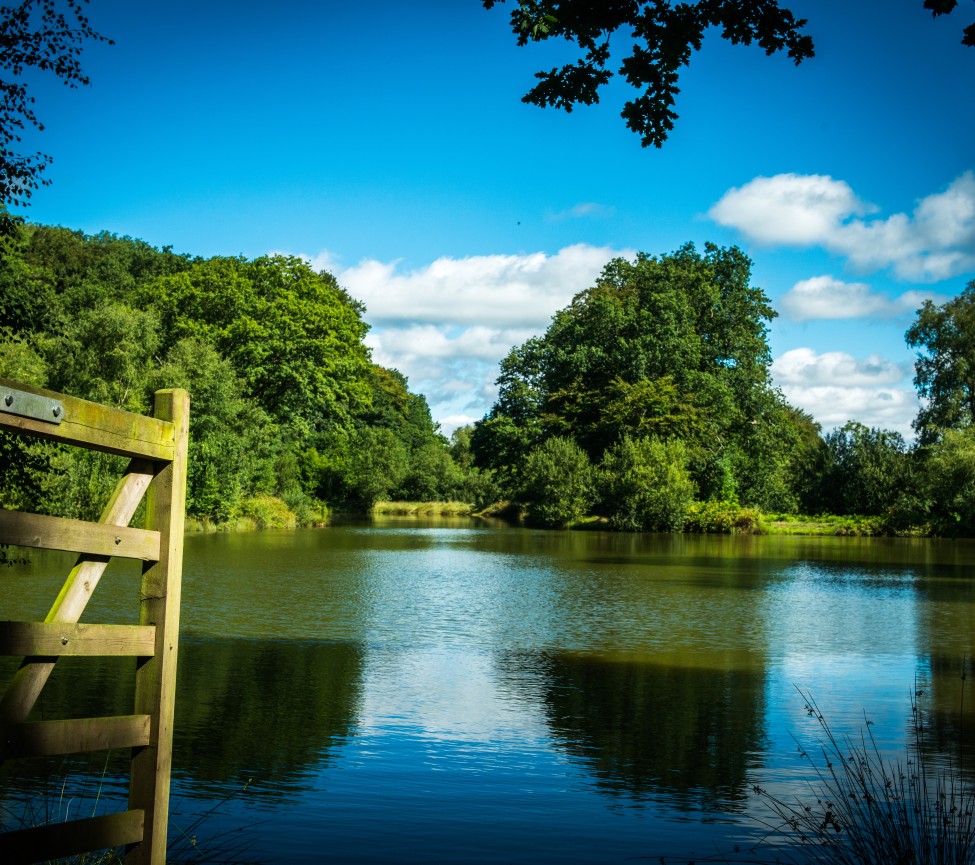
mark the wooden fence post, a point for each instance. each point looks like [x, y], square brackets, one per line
[155, 693]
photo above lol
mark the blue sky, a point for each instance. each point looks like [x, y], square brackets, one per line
[386, 141]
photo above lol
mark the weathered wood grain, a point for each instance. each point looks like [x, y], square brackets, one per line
[60, 840]
[95, 426]
[57, 639]
[77, 536]
[155, 684]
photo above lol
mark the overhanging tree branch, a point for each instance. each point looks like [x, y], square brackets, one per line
[35, 36]
[665, 34]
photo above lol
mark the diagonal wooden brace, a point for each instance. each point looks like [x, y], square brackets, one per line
[27, 683]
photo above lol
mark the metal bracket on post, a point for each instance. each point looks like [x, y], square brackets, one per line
[24, 404]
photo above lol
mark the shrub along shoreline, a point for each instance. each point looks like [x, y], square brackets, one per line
[714, 518]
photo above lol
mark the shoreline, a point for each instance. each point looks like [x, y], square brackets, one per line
[268, 512]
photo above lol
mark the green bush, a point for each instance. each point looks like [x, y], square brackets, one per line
[949, 472]
[557, 485]
[646, 485]
[268, 512]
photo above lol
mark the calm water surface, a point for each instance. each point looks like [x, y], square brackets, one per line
[436, 692]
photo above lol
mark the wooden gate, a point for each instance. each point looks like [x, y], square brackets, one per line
[156, 447]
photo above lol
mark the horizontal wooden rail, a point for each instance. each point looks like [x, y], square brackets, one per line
[55, 639]
[95, 426]
[74, 736]
[59, 840]
[77, 536]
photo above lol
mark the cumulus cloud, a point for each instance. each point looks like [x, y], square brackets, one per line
[790, 209]
[454, 421]
[936, 241]
[446, 326]
[824, 297]
[491, 290]
[835, 387]
[427, 341]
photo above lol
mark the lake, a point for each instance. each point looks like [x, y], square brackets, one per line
[444, 691]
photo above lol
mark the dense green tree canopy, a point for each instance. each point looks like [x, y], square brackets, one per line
[293, 334]
[673, 347]
[285, 399]
[664, 36]
[865, 470]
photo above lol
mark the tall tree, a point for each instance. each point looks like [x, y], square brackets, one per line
[664, 34]
[46, 36]
[673, 348]
[945, 370]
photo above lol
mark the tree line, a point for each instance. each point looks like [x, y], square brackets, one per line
[647, 404]
[286, 402]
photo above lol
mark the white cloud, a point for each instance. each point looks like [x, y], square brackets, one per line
[824, 297]
[427, 341]
[455, 373]
[503, 291]
[803, 366]
[455, 421]
[446, 326]
[935, 242]
[835, 387]
[791, 209]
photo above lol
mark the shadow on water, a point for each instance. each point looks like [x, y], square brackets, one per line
[684, 733]
[265, 711]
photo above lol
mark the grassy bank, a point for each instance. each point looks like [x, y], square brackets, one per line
[269, 512]
[422, 509]
[727, 518]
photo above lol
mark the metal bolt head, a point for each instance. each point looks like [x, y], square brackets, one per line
[57, 411]
[8, 399]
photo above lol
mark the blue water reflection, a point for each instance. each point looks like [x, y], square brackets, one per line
[454, 693]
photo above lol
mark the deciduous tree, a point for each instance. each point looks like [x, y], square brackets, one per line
[673, 347]
[945, 369]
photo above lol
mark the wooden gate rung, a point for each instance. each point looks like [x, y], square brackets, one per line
[95, 426]
[59, 639]
[57, 840]
[74, 736]
[77, 536]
